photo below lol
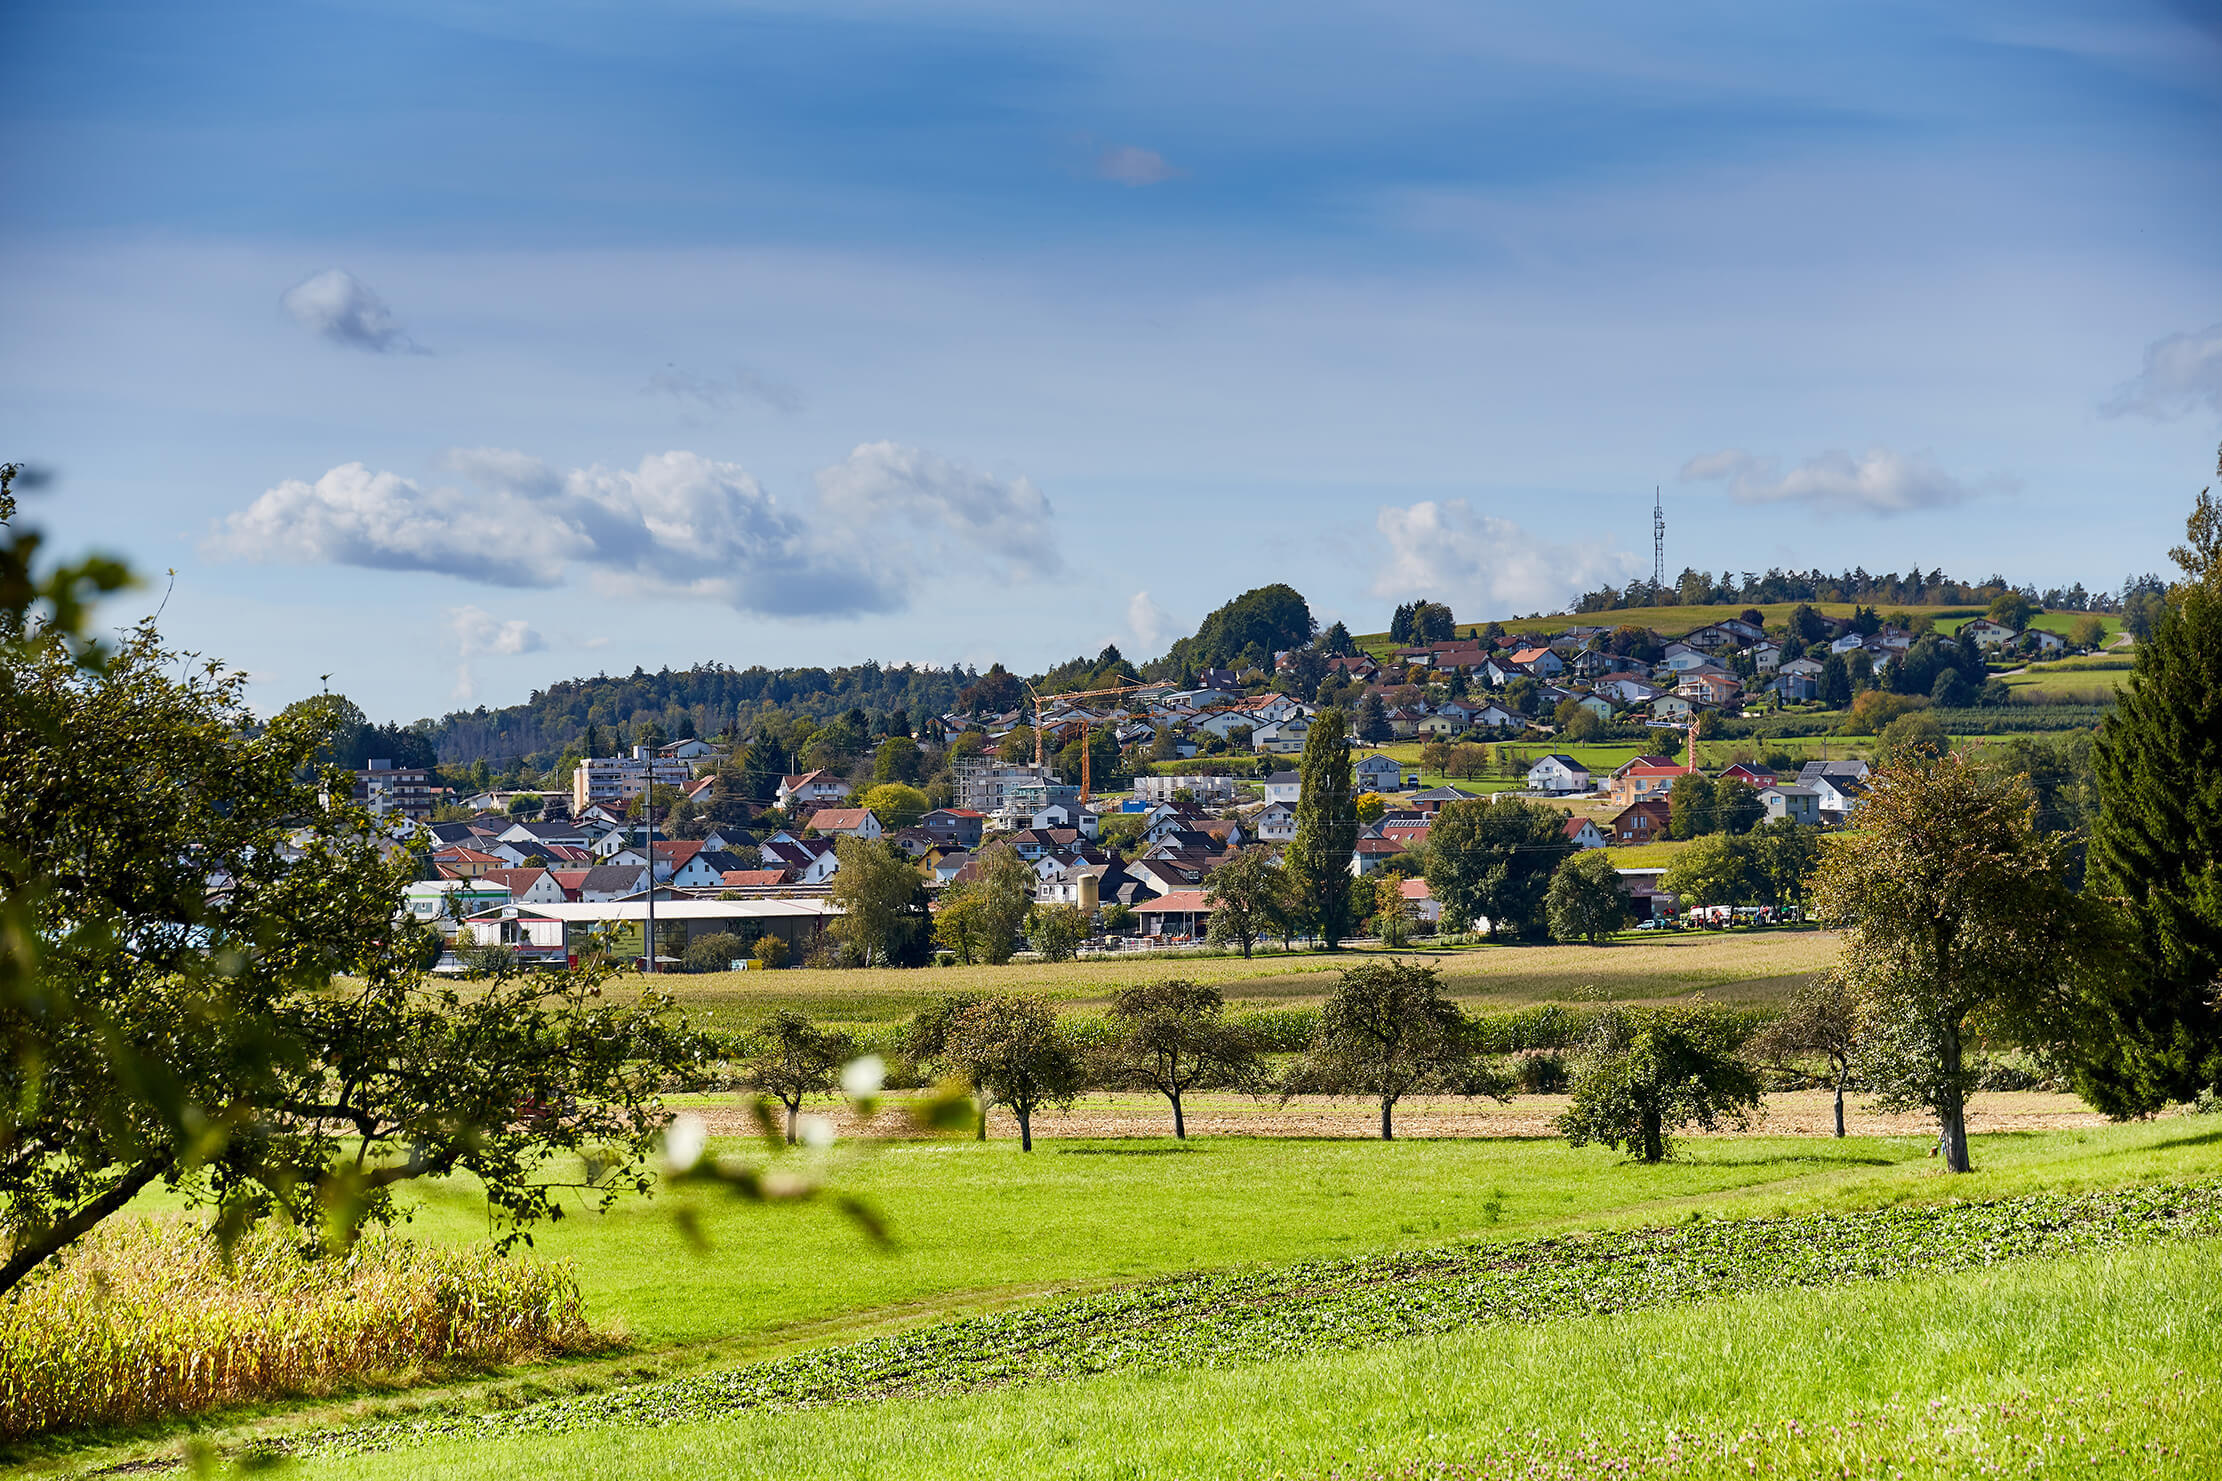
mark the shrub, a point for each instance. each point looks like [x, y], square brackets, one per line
[1541, 1074]
[145, 1321]
[715, 953]
[769, 952]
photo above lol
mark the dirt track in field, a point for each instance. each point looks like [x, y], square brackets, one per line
[1795, 1113]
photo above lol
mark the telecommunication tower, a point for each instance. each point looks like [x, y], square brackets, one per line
[1658, 541]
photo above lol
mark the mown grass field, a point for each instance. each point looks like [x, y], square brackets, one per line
[2015, 1370]
[984, 1228]
[2090, 678]
[1740, 968]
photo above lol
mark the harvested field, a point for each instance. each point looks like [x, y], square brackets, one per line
[1733, 968]
[1108, 1116]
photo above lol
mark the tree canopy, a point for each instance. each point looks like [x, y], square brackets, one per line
[1318, 858]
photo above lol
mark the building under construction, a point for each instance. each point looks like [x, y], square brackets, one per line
[986, 785]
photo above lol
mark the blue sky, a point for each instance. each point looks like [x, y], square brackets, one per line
[451, 349]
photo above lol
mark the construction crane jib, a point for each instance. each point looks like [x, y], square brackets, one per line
[1041, 706]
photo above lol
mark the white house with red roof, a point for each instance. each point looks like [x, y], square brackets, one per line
[812, 788]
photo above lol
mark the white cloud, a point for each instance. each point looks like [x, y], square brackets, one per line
[1131, 166]
[2181, 372]
[342, 308]
[1483, 566]
[891, 518]
[884, 495]
[1878, 482]
[1147, 621]
[479, 632]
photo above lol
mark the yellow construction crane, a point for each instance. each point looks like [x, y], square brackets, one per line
[1041, 704]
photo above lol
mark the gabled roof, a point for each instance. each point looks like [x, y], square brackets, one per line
[754, 879]
[1176, 902]
[1531, 655]
[1574, 826]
[839, 819]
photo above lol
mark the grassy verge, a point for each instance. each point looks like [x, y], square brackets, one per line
[1296, 1328]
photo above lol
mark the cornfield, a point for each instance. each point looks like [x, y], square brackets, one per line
[144, 1320]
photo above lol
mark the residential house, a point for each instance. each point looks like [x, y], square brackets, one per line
[2048, 643]
[457, 862]
[1379, 773]
[1419, 901]
[1541, 662]
[1840, 797]
[1435, 799]
[1281, 737]
[806, 860]
[1594, 663]
[1681, 659]
[1170, 876]
[705, 869]
[532, 838]
[1371, 852]
[1276, 823]
[1795, 688]
[916, 842]
[1499, 672]
[1765, 657]
[1641, 822]
[1789, 800]
[811, 788]
[1710, 686]
[1749, 775]
[1713, 639]
[616, 780]
[1441, 725]
[754, 879]
[1212, 791]
[1644, 778]
[1284, 786]
[958, 825]
[1851, 767]
[1675, 709]
[1497, 717]
[946, 867]
[1596, 704]
[607, 882]
[690, 749]
[1808, 667]
[1847, 642]
[526, 886]
[1584, 833]
[1558, 773]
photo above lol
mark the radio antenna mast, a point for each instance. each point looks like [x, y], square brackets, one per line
[1658, 542]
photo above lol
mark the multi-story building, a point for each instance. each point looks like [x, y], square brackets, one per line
[1212, 791]
[614, 781]
[384, 788]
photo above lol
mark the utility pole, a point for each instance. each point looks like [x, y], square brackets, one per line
[648, 810]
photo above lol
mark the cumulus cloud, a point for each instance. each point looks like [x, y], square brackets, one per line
[1878, 482]
[885, 492]
[340, 307]
[722, 393]
[890, 517]
[1484, 565]
[2182, 373]
[1147, 621]
[479, 632]
[1128, 165]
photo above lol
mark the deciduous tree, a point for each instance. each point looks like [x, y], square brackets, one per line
[1174, 1037]
[1014, 1049]
[1587, 901]
[1825, 1021]
[1646, 1075]
[1249, 896]
[1495, 860]
[1953, 906]
[791, 1059]
[884, 913]
[1388, 1031]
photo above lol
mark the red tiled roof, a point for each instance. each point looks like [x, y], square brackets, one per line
[1415, 889]
[1176, 902]
[839, 819]
[742, 879]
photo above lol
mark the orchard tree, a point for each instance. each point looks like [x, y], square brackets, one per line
[791, 1059]
[273, 1046]
[1955, 909]
[1056, 932]
[981, 918]
[1174, 1037]
[1318, 860]
[1646, 1075]
[1249, 897]
[1587, 901]
[1388, 1031]
[1825, 1021]
[2156, 846]
[1014, 1049]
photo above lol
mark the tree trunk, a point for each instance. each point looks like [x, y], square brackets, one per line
[1180, 1123]
[794, 1109]
[1840, 1106]
[32, 1252]
[1025, 1127]
[980, 1127]
[1952, 1106]
[1388, 1132]
[1654, 1140]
